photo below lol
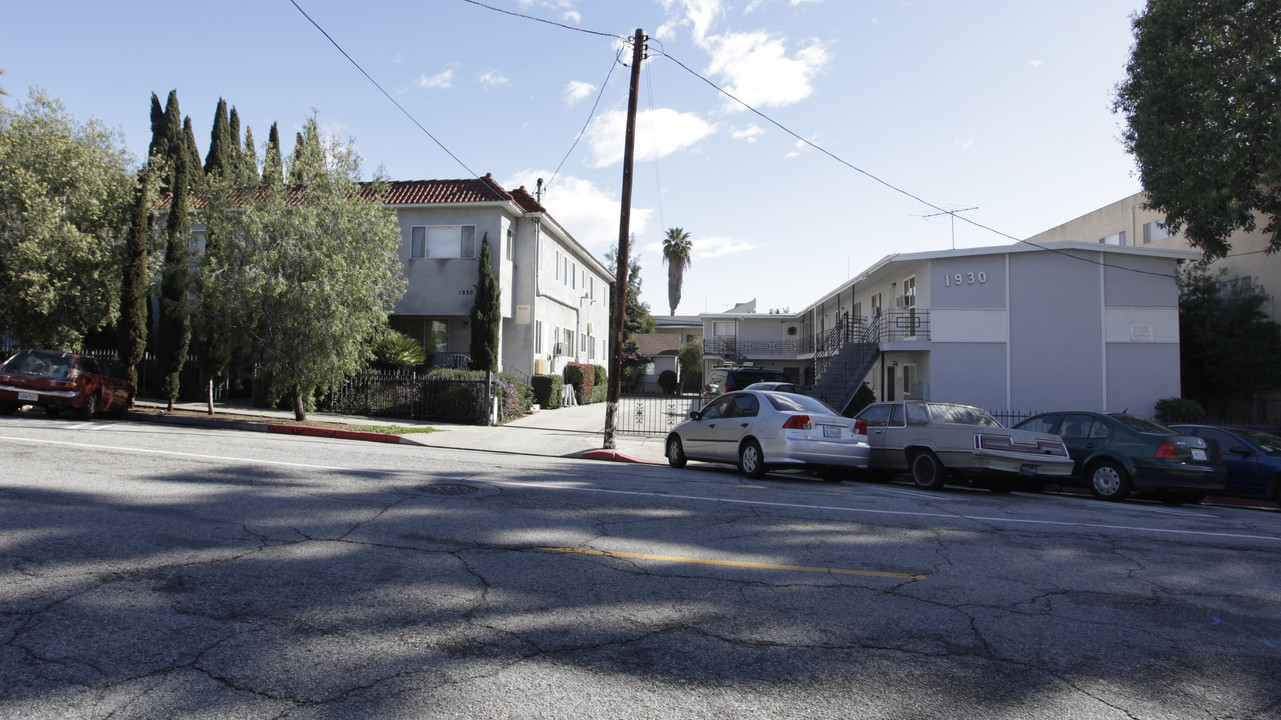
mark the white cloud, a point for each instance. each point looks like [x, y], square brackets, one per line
[1034, 63]
[586, 211]
[749, 133]
[756, 69]
[659, 133]
[801, 146]
[492, 79]
[439, 80]
[573, 16]
[963, 144]
[706, 246]
[794, 3]
[576, 91]
[698, 13]
[398, 58]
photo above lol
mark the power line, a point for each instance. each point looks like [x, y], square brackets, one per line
[590, 115]
[548, 22]
[890, 185]
[368, 77]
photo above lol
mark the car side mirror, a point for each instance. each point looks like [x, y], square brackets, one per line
[695, 415]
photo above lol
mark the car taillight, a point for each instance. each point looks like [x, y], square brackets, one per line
[860, 427]
[1167, 451]
[798, 422]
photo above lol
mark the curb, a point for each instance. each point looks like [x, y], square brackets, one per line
[615, 456]
[334, 433]
[251, 426]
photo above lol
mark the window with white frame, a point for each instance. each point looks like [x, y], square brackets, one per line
[568, 338]
[559, 269]
[1113, 239]
[909, 292]
[509, 250]
[538, 336]
[442, 241]
[724, 329]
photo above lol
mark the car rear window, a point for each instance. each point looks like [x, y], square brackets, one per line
[39, 363]
[1142, 425]
[787, 402]
[960, 415]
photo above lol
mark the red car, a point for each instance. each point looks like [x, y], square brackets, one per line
[57, 381]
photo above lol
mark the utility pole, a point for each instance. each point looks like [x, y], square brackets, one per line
[620, 278]
[951, 214]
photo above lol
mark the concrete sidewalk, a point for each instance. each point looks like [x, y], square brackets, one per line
[563, 432]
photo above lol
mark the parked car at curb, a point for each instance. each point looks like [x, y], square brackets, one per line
[1252, 459]
[760, 430]
[939, 443]
[730, 378]
[58, 381]
[1117, 454]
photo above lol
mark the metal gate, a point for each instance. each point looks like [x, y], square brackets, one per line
[654, 414]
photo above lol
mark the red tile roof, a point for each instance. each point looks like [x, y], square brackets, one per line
[404, 192]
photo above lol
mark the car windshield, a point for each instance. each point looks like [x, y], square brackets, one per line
[960, 415]
[1142, 425]
[1270, 444]
[39, 363]
[787, 402]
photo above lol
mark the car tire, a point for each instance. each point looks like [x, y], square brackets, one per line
[751, 461]
[8, 408]
[927, 470]
[1109, 481]
[676, 452]
[832, 473]
[90, 407]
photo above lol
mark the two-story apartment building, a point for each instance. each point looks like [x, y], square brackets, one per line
[555, 294]
[1011, 328]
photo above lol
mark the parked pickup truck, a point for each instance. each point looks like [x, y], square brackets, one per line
[939, 443]
[58, 381]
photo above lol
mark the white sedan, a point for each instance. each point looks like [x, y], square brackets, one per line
[759, 430]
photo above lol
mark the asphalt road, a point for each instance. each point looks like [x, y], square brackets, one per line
[157, 571]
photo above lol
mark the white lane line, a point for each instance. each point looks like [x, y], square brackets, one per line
[696, 498]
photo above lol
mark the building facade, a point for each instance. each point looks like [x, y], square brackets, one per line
[1015, 328]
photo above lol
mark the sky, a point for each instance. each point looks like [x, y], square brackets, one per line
[868, 119]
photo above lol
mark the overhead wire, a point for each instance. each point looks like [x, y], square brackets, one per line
[658, 180]
[590, 115]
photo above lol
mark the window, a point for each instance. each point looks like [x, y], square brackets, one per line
[571, 270]
[723, 329]
[538, 336]
[568, 339]
[876, 305]
[909, 292]
[1153, 232]
[509, 251]
[560, 271]
[442, 241]
[1113, 239]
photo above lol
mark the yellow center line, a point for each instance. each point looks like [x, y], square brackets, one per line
[733, 563]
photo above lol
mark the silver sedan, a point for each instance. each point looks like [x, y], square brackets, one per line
[760, 430]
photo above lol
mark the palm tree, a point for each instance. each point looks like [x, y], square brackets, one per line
[676, 253]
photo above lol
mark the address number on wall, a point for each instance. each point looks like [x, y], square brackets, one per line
[958, 279]
[466, 292]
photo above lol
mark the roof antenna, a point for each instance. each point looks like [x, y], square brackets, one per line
[538, 191]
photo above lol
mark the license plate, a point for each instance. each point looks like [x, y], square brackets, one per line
[1198, 454]
[28, 396]
[831, 431]
[1027, 471]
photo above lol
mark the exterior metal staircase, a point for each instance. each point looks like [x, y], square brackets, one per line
[842, 360]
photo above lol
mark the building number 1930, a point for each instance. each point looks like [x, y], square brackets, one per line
[958, 279]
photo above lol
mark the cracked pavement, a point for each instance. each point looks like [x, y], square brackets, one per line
[174, 572]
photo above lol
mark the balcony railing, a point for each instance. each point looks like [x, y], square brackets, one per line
[893, 325]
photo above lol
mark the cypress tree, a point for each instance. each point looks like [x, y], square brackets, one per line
[486, 314]
[134, 289]
[172, 142]
[297, 168]
[237, 151]
[249, 160]
[159, 144]
[272, 167]
[194, 174]
[221, 157]
[175, 309]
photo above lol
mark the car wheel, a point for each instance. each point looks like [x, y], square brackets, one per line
[1109, 481]
[832, 473]
[8, 408]
[751, 462]
[90, 407]
[927, 470]
[675, 452]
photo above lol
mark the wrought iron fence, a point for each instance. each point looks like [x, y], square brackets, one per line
[654, 414]
[412, 396]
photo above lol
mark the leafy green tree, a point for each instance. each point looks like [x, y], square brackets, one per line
[676, 253]
[636, 315]
[272, 167]
[315, 275]
[195, 175]
[238, 152]
[159, 147]
[486, 314]
[1227, 342]
[175, 285]
[398, 350]
[221, 159]
[65, 194]
[690, 357]
[135, 286]
[1200, 103]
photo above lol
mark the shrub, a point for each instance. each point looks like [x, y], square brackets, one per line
[1179, 410]
[600, 391]
[582, 378]
[546, 389]
[692, 381]
[668, 382]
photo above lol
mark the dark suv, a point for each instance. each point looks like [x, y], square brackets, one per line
[728, 379]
